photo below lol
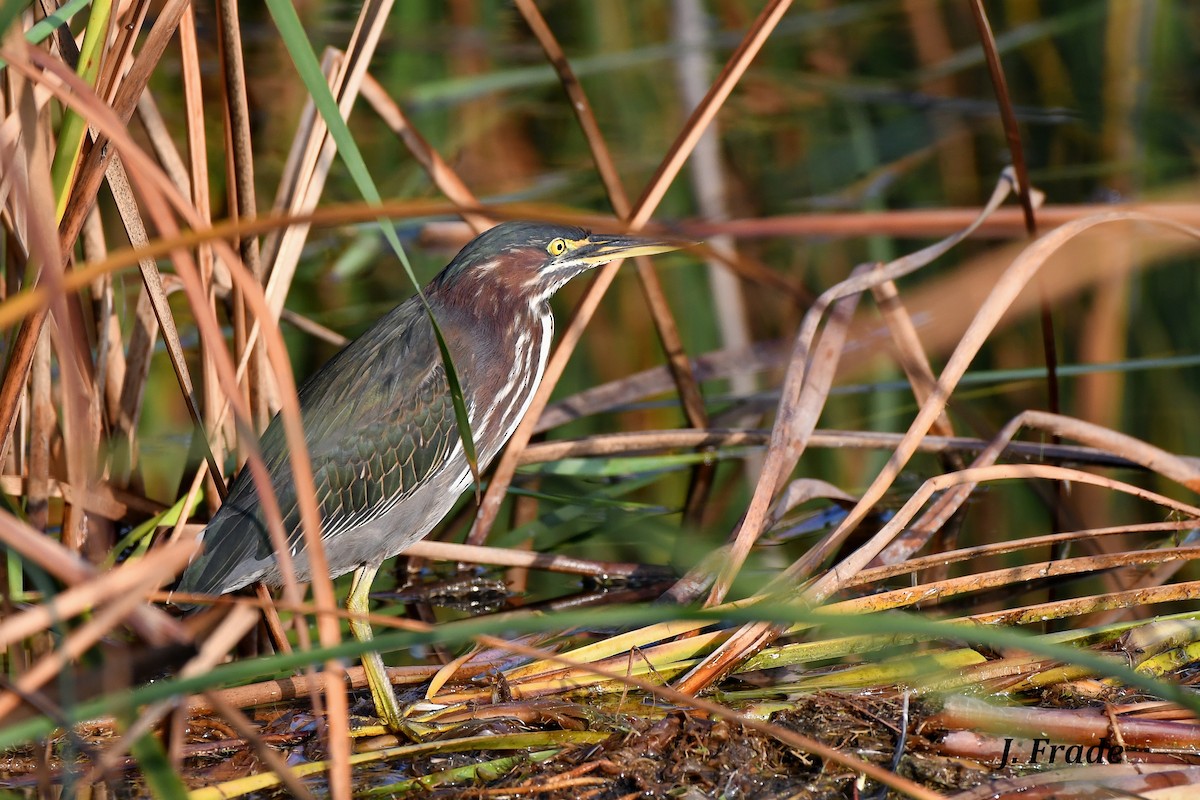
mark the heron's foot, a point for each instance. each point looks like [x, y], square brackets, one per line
[387, 707]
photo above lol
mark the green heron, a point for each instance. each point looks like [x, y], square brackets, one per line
[380, 423]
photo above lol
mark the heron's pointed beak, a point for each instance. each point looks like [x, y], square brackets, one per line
[601, 249]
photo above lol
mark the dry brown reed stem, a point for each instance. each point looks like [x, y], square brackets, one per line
[909, 351]
[641, 442]
[1155, 577]
[72, 92]
[213, 650]
[298, 166]
[936, 591]
[34, 299]
[118, 57]
[138, 354]
[66, 337]
[123, 102]
[506, 557]
[754, 636]
[1078, 606]
[1010, 284]
[131, 218]
[92, 592]
[29, 153]
[236, 105]
[803, 421]
[837, 576]
[285, 689]
[640, 214]
[440, 173]
[161, 142]
[876, 574]
[1176, 468]
[84, 192]
[1008, 115]
[43, 418]
[544, 678]
[197, 168]
[153, 182]
[302, 188]
[1012, 133]
[758, 357]
[30, 300]
[156, 293]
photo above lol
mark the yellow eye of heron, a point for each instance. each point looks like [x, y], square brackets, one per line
[557, 247]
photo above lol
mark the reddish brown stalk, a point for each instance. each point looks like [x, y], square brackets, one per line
[660, 311]
[29, 301]
[197, 171]
[639, 216]
[1012, 133]
[1004, 223]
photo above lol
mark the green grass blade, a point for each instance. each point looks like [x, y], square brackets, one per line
[61, 16]
[74, 127]
[305, 61]
[141, 534]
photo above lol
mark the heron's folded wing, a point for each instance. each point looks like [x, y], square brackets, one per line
[378, 420]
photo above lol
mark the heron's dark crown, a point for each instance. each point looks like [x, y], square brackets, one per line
[509, 244]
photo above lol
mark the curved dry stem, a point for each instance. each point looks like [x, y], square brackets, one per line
[789, 433]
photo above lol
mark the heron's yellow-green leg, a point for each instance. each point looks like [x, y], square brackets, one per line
[381, 688]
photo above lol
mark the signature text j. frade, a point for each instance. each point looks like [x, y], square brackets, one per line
[1042, 752]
